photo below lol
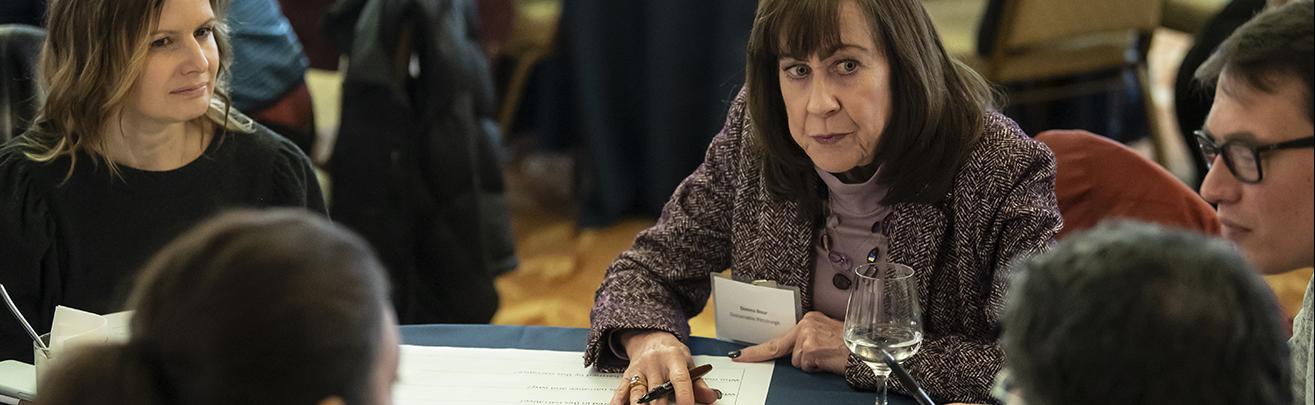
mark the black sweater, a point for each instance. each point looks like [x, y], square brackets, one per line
[79, 242]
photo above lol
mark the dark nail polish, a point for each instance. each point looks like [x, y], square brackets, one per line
[733, 354]
[718, 392]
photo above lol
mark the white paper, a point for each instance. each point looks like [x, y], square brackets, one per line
[433, 375]
[75, 327]
[753, 314]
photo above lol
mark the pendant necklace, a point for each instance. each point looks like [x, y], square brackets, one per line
[840, 262]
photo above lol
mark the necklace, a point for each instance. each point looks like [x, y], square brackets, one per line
[840, 262]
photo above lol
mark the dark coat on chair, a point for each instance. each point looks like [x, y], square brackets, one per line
[414, 168]
[1002, 207]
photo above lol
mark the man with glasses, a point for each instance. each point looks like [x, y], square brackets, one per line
[1258, 143]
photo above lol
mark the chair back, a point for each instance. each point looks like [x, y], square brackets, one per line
[1099, 179]
[20, 96]
[1029, 23]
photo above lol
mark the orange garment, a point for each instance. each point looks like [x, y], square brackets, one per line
[1100, 179]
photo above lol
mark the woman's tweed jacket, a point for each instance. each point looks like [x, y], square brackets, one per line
[1002, 207]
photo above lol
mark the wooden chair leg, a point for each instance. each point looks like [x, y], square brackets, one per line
[1159, 148]
[515, 89]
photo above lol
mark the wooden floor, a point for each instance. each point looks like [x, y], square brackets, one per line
[561, 267]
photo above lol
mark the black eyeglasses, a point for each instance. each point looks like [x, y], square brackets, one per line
[1241, 157]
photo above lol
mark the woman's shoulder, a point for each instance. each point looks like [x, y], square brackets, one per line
[731, 150]
[1003, 147]
[19, 171]
[25, 183]
[1002, 138]
[1003, 157]
[261, 147]
[737, 129]
[275, 163]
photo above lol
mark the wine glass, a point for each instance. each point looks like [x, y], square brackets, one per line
[883, 313]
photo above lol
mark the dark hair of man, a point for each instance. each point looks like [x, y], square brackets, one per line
[1276, 44]
[935, 120]
[1134, 314]
[272, 307]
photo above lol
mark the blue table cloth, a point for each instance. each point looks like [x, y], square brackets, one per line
[789, 384]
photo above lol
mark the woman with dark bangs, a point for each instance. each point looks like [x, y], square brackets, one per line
[856, 139]
[134, 143]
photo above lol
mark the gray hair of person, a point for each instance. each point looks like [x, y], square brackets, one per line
[277, 306]
[1275, 44]
[1130, 313]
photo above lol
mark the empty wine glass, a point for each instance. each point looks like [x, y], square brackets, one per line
[883, 313]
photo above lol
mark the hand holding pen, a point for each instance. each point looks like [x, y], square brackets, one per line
[665, 390]
[655, 358]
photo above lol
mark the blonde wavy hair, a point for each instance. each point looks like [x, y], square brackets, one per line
[95, 51]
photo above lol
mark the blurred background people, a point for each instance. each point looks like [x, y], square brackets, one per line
[1259, 140]
[269, 70]
[1129, 313]
[135, 143]
[275, 307]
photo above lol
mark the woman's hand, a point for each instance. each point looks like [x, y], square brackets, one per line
[814, 344]
[657, 357]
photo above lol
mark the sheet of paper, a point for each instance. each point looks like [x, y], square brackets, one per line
[431, 375]
[73, 326]
[118, 326]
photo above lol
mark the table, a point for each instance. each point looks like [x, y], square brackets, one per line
[789, 384]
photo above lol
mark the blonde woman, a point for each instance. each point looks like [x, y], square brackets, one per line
[134, 144]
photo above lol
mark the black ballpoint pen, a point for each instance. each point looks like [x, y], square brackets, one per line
[666, 389]
[904, 377]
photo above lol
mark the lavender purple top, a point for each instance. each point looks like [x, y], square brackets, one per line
[853, 208]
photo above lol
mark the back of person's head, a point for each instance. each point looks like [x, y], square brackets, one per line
[274, 307]
[1135, 314]
[1276, 45]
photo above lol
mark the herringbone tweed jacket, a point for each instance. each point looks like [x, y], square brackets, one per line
[1002, 207]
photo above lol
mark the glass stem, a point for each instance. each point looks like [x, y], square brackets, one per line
[881, 390]
[881, 396]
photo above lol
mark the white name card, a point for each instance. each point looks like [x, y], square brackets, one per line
[756, 312]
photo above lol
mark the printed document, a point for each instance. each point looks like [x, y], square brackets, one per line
[433, 375]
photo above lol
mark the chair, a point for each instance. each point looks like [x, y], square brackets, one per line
[1039, 42]
[1189, 16]
[19, 94]
[1101, 179]
[531, 39]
